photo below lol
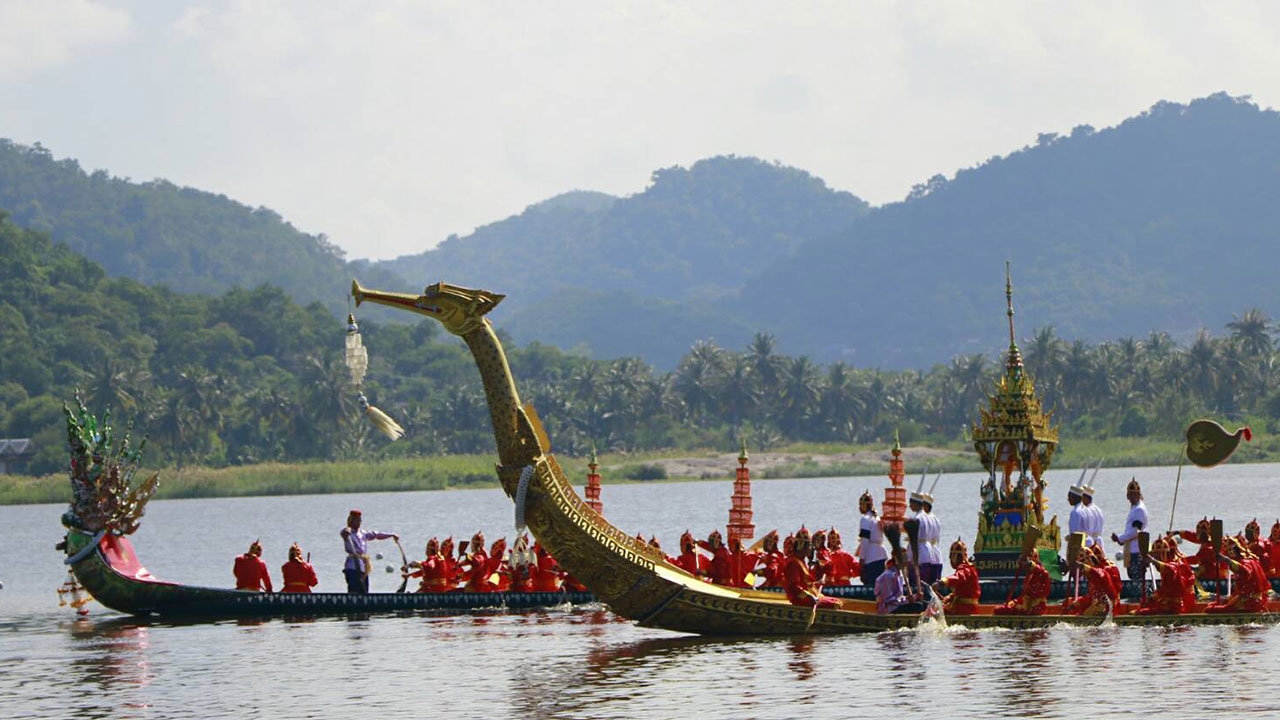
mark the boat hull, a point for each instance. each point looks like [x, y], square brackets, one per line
[111, 574]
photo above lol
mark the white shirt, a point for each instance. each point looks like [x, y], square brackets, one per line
[1137, 517]
[870, 540]
[1077, 520]
[1096, 522]
[930, 534]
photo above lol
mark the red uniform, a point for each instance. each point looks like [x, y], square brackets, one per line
[841, 568]
[1251, 591]
[1035, 593]
[774, 564]
[298, 576]
[1272, 560]
[693, 563]
[435, 574]
[742, 564]
[546, 574]
[1100, 591]
[965, 590]
[1171, 597]
[478, 574]
[251, 573]
[720, 570]
[801, 587]
[1208, 566]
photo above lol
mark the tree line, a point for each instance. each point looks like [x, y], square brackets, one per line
[250, 376]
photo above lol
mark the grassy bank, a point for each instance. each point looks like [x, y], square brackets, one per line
[474, 471]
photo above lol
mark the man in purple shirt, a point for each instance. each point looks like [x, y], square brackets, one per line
[356, 541]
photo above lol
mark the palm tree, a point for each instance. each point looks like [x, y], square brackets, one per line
[696, 377]
[801, 390]
[1253, 331]
[735, 392]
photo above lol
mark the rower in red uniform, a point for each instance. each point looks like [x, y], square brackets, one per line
[298, 575]
[476, 567]
[433, 569]
[657, 545]
[842, 566]
[742, 563]
[720, 567]
[1258, 545]
[499, 566]
[820, 555]
[1035, 590]
[547, 576]
[1104, 592]
[772, 559]
[523, 564]
[1252, 588]
[1170, 598]
[1206, 562]
[801, 586]
[965, 589]
[251, 573]
[690, 561]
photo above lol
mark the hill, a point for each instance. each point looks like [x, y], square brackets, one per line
[1166, 222]
[158, 233]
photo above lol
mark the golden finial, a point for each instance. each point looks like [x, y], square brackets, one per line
[742, 452]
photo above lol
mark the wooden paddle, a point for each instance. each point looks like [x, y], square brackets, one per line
[1075, 543]
[404, 567]
[1030, 537]
[1215, 540]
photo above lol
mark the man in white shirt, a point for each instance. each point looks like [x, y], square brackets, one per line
[930, 560]
[1094, 518]
[1134, 523]
[871, 551]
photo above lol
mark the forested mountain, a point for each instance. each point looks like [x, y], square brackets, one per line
[158, 233]
[1166, 222]
[645, 275]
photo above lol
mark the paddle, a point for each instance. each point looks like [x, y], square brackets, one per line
[1030, 537]
[404, 567]
[1075, 542]
[1215, 540]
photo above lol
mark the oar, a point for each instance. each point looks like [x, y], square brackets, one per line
[404, 567]
[1215, 539]
[1029, 538]
[1075, 541]
[935, 483]
[920, 486]
[1181, 456]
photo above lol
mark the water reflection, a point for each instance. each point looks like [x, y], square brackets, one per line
[116, 661]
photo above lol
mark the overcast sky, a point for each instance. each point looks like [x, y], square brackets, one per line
[389, 126]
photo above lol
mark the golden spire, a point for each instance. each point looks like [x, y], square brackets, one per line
[1013, 366]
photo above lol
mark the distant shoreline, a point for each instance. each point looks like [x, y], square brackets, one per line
[476, 471]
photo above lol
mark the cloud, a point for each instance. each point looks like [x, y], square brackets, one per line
[39, 34]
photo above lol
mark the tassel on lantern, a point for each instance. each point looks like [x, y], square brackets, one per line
[79, 596]
[357, 360]
[381, 420]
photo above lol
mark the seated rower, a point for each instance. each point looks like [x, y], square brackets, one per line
[965, 588]
[250, 571]
[773, 560]
[742, 564]
[720, 568]
[1104, 592]
[1272, 562]
[299, 576]
[1258, 545]
[523, 562]
[690, 560]
[476, 566]
[798, 581]
[1252, 588]
[1174, 595]
[1035, 589]
[842, 567]
[433, 569]
[1207, 565]
[547, 576]
[499, 566]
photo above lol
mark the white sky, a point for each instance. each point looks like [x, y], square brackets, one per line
[390, 125]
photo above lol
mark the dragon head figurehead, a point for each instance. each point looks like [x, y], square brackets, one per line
[459, 309]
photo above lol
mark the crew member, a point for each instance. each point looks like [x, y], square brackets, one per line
[1134, 523]
[1258, 545]
[773, 561]
[250, 571]
[1035, 589]
[891, 588]
[1273, 561]
[871, 552]
[690, 560]
[1096, 519]
[930, 561]
[356, 542]
[433, 569]
[297, 574]
[1102, 594]
[476, 567]
[720, 567]
[547, 577]
[1207, 564]
[742, 564]
[964, 585]
[798, 581]
[1252, 588]
[1170, 598]
[842, 567]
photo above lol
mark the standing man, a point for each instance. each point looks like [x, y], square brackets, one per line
[930, 535]
[1095, 519]
[1135, 523]
[356, 542]
[250, 571]
[871, 553]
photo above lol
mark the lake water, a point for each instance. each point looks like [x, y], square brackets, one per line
[586, 662]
